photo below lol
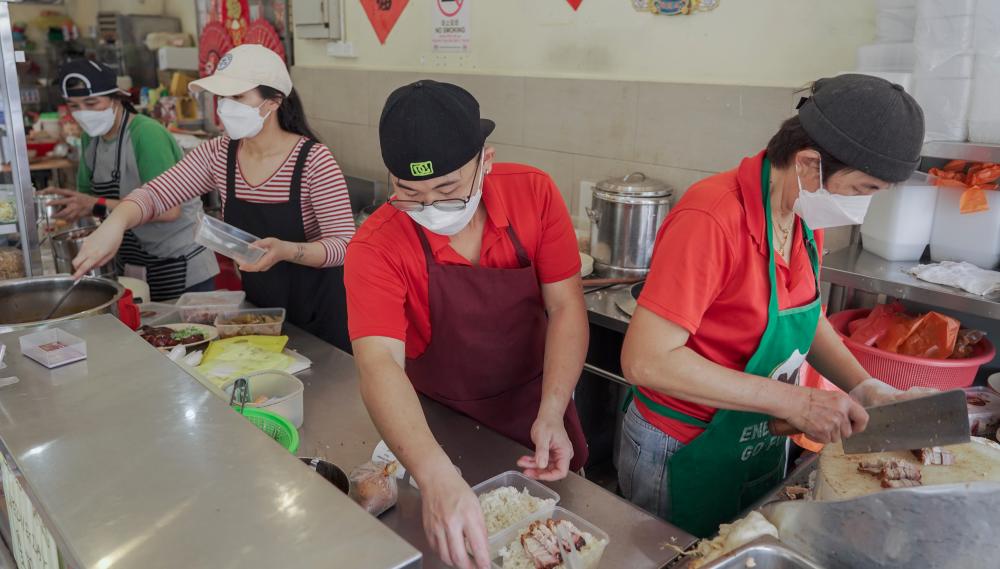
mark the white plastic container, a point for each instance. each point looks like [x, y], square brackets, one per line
[899, 222]
[971, 237]
[283, 390]
[946, 107]
[203, 307]
[53, 347]
[984, 112]
[520, 483]
[895, 24]
[512, 536]
[227, 240]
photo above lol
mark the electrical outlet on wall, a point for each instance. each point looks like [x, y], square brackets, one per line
[585, 197]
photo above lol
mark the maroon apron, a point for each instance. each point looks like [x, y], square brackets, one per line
[487, 348]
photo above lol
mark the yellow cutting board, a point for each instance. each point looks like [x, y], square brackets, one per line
[838, 477]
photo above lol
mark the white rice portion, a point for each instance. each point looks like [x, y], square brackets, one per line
[505, 506]
[513, 555]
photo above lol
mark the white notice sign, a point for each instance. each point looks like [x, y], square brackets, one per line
[450, 26]
[31, 543]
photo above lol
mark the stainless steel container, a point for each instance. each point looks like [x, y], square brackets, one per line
[66, 245]
[625, 214]
[45, 213]
[25, 302]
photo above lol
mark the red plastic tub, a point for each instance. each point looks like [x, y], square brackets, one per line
[904, 372]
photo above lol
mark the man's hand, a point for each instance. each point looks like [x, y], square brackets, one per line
[452, 518]
[74, 204]
[553, 450]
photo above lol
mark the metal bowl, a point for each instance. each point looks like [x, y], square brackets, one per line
[25, 302]
[65, 247]
[330, 471]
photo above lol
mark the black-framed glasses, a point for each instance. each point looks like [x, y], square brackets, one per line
[449, 204]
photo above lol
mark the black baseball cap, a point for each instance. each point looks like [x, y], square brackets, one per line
[429, 129]
[97, 78]
[866, 122]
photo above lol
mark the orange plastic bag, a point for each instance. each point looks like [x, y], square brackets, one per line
[933, 336]
[903, 325]
[973, 200]
[869, 330]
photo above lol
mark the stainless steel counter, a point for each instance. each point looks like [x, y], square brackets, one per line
[603, 310]
[337, 427]
[133, 464]
[854, 268]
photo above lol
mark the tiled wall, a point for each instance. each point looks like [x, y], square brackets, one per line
[573, 129]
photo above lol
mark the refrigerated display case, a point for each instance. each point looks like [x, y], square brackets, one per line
[19, 229]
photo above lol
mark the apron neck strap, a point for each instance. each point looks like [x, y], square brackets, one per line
[116, 173]
[295, 190]
[231, 153]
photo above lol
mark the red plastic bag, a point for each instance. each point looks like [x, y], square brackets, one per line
[933, 336]
[870, 329]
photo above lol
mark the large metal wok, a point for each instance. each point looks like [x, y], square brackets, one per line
[25, 302]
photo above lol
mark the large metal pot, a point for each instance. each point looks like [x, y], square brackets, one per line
[66, 245]
[25, 302]
[625, 215]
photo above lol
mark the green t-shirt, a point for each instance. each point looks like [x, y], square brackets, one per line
[155, 149]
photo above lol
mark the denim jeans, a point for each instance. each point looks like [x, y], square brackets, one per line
[642, 463]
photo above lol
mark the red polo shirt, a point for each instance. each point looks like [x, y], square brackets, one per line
[709, 275]
[385, 269]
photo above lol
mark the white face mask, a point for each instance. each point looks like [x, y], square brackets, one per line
[95, 123]
[451, 222]
[240, 120]
[821, 209]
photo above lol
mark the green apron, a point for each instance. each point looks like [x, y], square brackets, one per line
[736, 460]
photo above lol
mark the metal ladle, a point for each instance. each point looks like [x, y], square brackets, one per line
[62, 299]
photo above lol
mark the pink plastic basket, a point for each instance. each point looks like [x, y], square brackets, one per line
[904, 372]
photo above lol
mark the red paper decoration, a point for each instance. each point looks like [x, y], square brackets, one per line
[575, 3]
[383, 15]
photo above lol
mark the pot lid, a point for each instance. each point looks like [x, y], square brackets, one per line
[635, 184]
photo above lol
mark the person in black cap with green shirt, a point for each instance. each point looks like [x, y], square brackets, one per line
[465, 288]
[731, 309]
[122, 150]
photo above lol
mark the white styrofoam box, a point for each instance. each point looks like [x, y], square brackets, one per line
[895, 24]
[984, 112]
[946, 106]
[905, 80]
[937, 42]
[944, 8]
[178, 58]
[897, 56]
[959, 66]
[971, 237]
[987, 28]
[899, 222]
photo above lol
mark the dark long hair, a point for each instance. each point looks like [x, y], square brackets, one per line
[291, 115]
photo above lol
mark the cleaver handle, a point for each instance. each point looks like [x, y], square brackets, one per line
[782, 428]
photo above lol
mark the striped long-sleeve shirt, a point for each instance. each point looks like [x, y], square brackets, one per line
[326, 207]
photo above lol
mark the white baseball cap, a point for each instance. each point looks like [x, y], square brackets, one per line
[244, 68]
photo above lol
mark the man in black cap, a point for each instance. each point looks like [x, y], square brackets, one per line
[731, 309]
[465, 288]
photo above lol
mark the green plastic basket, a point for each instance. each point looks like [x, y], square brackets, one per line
[275, 426]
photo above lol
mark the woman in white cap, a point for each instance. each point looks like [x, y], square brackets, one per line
[123, 150]
[275, 182]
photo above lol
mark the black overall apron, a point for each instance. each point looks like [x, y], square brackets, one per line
[313, 298]
[167, 278]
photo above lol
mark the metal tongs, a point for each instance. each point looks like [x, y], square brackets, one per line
[240, 394]
[572, 558]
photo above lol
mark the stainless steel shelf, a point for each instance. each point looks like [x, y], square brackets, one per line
[855, 268]
[963, 151]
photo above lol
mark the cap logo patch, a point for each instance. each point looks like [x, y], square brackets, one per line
[421, 168]
[224, 62]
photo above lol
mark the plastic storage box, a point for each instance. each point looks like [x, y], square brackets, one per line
[228, 323]
[227, 240]
[203, 307]
[899, 222]
[971, 237]
[53, 347]
[590, 559]
[984, 410]
[520, 483]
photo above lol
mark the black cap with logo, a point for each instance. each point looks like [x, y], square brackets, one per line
[429, 129]
[92, 78]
